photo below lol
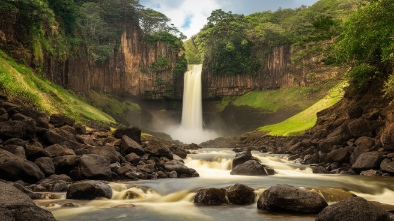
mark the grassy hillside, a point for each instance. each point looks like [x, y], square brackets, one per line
[306, 119]
[19, 81]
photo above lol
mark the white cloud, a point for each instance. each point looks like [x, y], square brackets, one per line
[197, 12]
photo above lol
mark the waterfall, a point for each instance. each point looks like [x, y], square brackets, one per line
[192, 100]
[191, 128]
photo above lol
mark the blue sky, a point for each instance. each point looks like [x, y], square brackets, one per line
[189, 16]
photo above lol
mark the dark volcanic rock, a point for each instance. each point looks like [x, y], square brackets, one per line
[107, 151]
[387, 165]
[366, 161]
[88, 190]
[57, 150]
[242, 157]
[387, 137]
[252, 168]
[134, 133]
[130, 146]
[363, 144]
[285, 198]
[211, 197]
[34, 151]
[17, 206]
[16, 150]
[340, 155]
[353, 209]
[25, 129]
[240, 194]
[180, 168]
[159, 151]
[59, 120]
[93, 166]
[15, 168]
[46, 165]
[359, 128]
[355, 112]
[64, 164]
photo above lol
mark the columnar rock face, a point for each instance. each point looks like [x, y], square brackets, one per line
[279, 71]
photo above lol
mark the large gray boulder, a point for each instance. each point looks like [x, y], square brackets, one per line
[17, 206]
[289, 199]
[88, 190]
[15, 168]
[353, 209]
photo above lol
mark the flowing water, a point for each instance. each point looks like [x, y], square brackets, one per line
[191, 129]
[172, 199]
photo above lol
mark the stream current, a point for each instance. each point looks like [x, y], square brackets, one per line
[172, 199]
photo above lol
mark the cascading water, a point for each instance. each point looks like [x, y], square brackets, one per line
[191, 129]
[192, 100]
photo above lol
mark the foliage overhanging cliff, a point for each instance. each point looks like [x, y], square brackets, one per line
[99, 45]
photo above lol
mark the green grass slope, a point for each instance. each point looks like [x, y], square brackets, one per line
[306, 119]
[16, 80]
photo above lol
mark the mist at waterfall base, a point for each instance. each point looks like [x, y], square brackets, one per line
[191, 129]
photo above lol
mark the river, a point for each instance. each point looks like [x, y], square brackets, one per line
[172, 199]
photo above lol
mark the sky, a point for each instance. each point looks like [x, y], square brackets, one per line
[190, 16]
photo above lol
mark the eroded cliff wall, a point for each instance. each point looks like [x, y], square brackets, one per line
[280, 69]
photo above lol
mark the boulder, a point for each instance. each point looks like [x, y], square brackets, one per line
[242, 157]
[180, 168]
[132, 132]
[39, 117]
[64, 164]
[341, 155]
[16, 168]
[359, 128]
[368, 160]
[57, 136]
[93, 166]
[59, 120]
[16, 150]
[49, 185]
[289, 199]
[89, 190]
[130, 146]
[63, 177]
[387, 137]
[210, 197]
[179, 151]
[355, 112]
[107, 151]
[252, 168]
[57, 150]
[240, 194]
[148, 168]
[25, 129]
[46, 165]
[17, 206]
[34, 151]
[353, 209]
[133, 158]
[363, 144]
[387, 165]
[159, 151]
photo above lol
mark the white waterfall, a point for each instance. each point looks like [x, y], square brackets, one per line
[192, 100]
[191, 129]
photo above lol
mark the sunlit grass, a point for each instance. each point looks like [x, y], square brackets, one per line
[18, 81]
[306, 119]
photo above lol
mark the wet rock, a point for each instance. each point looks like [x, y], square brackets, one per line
[88, 190]
[210, 197]
[56, 150]
[371, 173]
[93, 166]
[130, 146]
[240, 194]
[15, 168]
[46, 165]
[285, 198]
[242, 157]
[366, 161]
[132, 132]
[49, 185]
[25, 129]
[353, 209]
[180, 168]
[59, 120]
[252, 168]
[387, 165]
[17, 206]
[27, 191]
